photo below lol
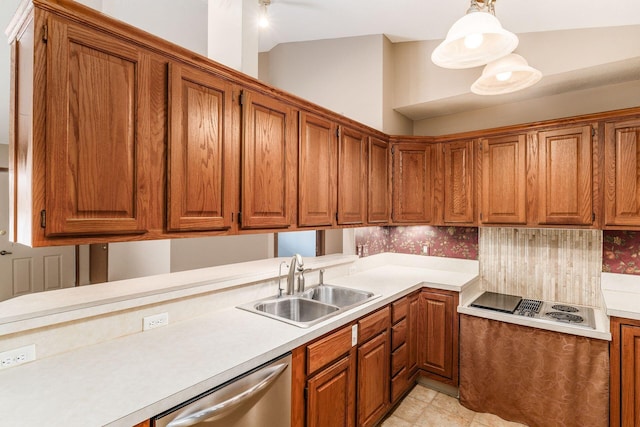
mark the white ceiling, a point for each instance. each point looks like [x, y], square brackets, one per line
[405, 20]
[418, 20]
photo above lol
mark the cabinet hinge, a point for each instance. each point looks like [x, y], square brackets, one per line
[306, 393]
[593, 216]
[239, 218]
[480, 216]
[593, 131]
[393, 150]
[45, 33]
[338, 132]
[241, 98]
[480, 146]
[43, 218]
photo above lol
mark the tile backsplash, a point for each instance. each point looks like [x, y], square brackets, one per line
[549, 264]
[621, 252]
[452, 242]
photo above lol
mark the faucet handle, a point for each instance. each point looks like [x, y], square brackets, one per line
[280, 277]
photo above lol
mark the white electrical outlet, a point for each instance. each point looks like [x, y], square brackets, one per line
[155, 321]
[17, 356]
[354, 335]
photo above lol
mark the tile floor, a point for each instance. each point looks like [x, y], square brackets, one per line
[424, 407]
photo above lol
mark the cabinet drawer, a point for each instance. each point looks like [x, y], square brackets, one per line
[398, 334]
[399, 309]
[399, 359]
[328, 349]
[399, 384]
[373, 324]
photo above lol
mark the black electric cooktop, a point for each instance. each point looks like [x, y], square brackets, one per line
[498, 302]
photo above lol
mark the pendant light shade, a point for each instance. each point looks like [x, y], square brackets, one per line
[475, 39]
[505, 75]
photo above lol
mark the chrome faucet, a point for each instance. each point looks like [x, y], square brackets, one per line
[296, 265]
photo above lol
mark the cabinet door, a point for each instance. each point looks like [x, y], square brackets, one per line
[97, 120]
[331, 395]
[630, 376]
[413, 183]
[352, 177]
[269, 178]
[373, 379]
[317, 171]
[379, 204]
[504, 180]
[622, 173]
[458, 182]
[565, 193]
[412, 334]
[438, 332]
[201, 165]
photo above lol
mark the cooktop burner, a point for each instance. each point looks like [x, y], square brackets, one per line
[565, 317]
[566, 308]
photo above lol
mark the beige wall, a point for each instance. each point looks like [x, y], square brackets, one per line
[187, 254]
[613, 97]
[393, 122]
[4, 156]
[343, 75]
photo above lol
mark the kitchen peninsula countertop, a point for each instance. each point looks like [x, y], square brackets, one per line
[621, 294]
[127, 380]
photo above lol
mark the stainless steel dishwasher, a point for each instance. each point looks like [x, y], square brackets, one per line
[258, 398]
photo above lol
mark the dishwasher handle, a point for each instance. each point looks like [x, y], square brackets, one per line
[219, 409]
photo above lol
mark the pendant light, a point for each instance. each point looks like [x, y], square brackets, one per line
[263, 17]
[506, 75]
[475, 39]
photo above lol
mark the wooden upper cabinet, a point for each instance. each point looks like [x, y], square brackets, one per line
[622, 173]
[318, 162]
[352, 177]
[504, 180]
[97, 125]
[565, 191]
[413, 183]
[379, 203]
[202, 170]
[269, 155]
[458, 180]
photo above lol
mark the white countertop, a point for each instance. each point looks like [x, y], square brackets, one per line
[621, 294]
[127, 380]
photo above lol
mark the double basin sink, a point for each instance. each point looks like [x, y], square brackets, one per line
[311, 306]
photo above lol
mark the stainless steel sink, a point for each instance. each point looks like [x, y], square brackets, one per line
[337, 295]
[296, 309]
[311, 306]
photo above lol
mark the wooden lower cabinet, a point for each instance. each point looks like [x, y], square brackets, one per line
[438, 335]
[373, 367]
[330, 395]
[625, 373]
[404, 348]
[336, 383]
